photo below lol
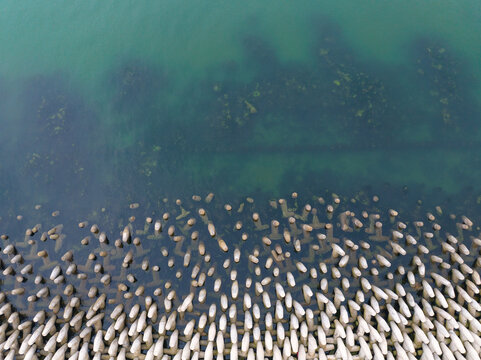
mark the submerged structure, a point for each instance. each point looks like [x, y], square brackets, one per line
[330, 278]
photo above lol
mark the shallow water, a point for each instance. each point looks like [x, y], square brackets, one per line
[102, 103]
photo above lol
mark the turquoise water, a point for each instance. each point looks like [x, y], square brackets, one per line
[115, 111]
[103, 102]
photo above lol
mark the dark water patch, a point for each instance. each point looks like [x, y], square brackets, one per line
[158, 131]
[6, 190]
[329, 39]
[229, 118]
[3, 93]
[449, 90]
[360, 97]
[260, 56]
[137, 86]
[55, 143]
[338, 96]
[345, 104]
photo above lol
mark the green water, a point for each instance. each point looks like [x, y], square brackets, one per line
[103, 101]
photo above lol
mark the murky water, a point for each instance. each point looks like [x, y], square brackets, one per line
[102, 102]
